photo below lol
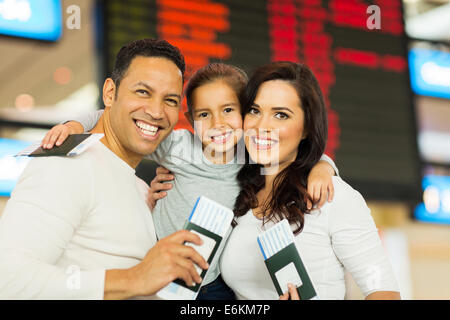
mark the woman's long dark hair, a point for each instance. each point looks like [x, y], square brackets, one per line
[288, 196]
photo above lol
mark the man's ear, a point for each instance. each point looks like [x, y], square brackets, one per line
[109, 92]
[188, 116]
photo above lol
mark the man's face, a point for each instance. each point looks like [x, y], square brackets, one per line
[147, 104]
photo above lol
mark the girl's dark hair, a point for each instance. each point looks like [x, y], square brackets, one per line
[231, 75]
[288, 196]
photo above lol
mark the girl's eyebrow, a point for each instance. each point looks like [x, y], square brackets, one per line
[201, 110]
[229, 104]
[224, 105]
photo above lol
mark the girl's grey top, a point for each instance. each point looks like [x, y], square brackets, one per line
[194, 175]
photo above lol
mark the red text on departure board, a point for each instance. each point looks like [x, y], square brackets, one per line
[298, 33]
[192, 26]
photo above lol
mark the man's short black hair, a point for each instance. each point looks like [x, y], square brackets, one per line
[145, 48]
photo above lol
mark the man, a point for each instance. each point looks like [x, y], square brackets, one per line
[77, 228]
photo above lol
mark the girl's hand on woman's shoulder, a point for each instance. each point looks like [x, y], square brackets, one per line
[320, 184]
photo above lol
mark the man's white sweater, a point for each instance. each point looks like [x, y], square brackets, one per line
[67, 222]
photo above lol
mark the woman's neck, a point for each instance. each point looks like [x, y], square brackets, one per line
[263, 195]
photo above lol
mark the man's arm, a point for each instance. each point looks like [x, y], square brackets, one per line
[37, 224]
[168, 260]
[47, 206]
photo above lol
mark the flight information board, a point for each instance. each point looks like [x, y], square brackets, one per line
[363, 73]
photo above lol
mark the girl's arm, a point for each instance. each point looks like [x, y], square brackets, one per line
[59, 133]
[158, 186]
[320, 184]
[86, 122]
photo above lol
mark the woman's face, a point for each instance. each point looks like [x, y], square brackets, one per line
[274, 124]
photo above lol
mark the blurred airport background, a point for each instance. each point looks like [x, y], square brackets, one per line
[387, 92]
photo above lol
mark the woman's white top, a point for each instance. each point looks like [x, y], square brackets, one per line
[340, 236]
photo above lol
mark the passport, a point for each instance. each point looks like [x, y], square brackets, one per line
[283, 261]
[74, 145]
[211, 221]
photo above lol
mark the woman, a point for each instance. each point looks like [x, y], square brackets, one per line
[286, 129]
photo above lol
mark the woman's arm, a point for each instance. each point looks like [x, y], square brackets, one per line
[357, 245]
[384, 295]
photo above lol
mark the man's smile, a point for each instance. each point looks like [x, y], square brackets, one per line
[147, 130]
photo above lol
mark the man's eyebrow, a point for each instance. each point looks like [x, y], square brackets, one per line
[149, 88]
[174, 95]
[141, 83]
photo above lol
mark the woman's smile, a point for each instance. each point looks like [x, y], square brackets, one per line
[277, 119]
[261, 143]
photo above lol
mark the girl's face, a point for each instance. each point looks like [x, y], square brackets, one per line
[274, 125]
[216, 112]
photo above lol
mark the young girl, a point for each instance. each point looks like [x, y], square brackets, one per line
[205, 163]
[285, 98]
